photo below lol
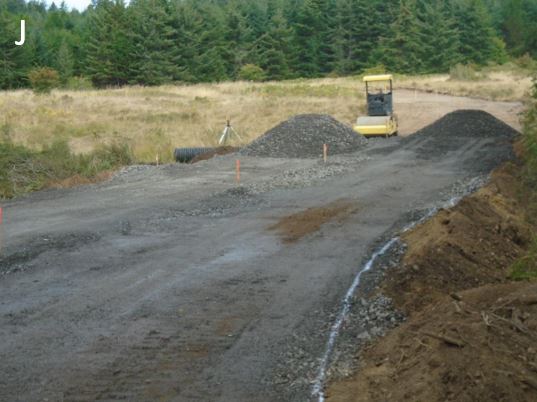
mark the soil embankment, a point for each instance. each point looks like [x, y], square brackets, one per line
[470, 333]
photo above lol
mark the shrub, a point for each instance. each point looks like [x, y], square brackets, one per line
[499, 52]
[526, 62]
[251, 72]
[23, 170]
[43, 79]
[525, 267]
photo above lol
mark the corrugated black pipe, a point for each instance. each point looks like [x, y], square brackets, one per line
[185, 155]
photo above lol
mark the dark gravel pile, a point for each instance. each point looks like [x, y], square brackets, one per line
[303, 136]
[464, 129]
[458, 127]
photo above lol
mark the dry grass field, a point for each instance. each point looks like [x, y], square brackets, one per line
[154, 120]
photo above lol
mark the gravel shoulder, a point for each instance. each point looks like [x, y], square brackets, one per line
[166, 282]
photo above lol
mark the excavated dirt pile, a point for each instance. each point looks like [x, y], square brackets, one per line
[463, 247]
[480, 347]
[471, 334]
[303, 136]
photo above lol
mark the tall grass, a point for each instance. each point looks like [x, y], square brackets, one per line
[463, 72]
[530, 139]
[23, 170]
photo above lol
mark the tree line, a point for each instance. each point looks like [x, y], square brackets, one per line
[151, 42]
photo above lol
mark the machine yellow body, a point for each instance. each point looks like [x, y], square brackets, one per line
[380, 119]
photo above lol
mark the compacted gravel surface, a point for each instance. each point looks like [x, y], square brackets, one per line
[165, 283]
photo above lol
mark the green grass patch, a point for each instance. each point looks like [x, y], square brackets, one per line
[530, 139]
[525, 268]
[529, 132]
[23, 170]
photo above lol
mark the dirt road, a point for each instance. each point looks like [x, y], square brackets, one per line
[166, 284]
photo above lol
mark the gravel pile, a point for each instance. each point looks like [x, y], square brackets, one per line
[303, 136]
[461, 130]
[468, 123]
[458, 127]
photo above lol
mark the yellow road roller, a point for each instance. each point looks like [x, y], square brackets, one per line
[380, 120]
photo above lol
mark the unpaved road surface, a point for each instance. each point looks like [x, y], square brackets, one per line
[166, 284]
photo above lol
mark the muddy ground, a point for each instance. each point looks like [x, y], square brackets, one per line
[170, 282]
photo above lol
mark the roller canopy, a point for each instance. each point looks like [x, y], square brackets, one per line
[382, 77]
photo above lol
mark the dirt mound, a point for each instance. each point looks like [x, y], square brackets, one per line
[479, 348]
[458, 344]
[303, 136]
[457, 129]
[467, 246]
[293, 227]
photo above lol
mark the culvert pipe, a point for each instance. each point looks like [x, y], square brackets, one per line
[185, 155]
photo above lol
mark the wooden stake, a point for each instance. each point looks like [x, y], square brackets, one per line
[238, 171]
[325, 152]
[157, 159]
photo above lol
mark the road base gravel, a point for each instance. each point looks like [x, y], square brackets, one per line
[303, 136]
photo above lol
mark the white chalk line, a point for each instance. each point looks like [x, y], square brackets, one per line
[320, 379]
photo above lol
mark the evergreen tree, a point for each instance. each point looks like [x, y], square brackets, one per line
[275, 49]
[476, 32]
[401, 50]
[239, 36]
[64, 62]
[307, 38]
[325, 34]
[151, 37]
[352, 41]
[150, 42]
[439, 39]
[108, 47]
[14, 60]
[514, 26]
[214, 62]
[188, 27]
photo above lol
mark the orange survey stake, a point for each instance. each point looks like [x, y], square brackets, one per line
[238, 170]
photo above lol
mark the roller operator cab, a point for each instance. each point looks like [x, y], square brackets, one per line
[380, 120]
